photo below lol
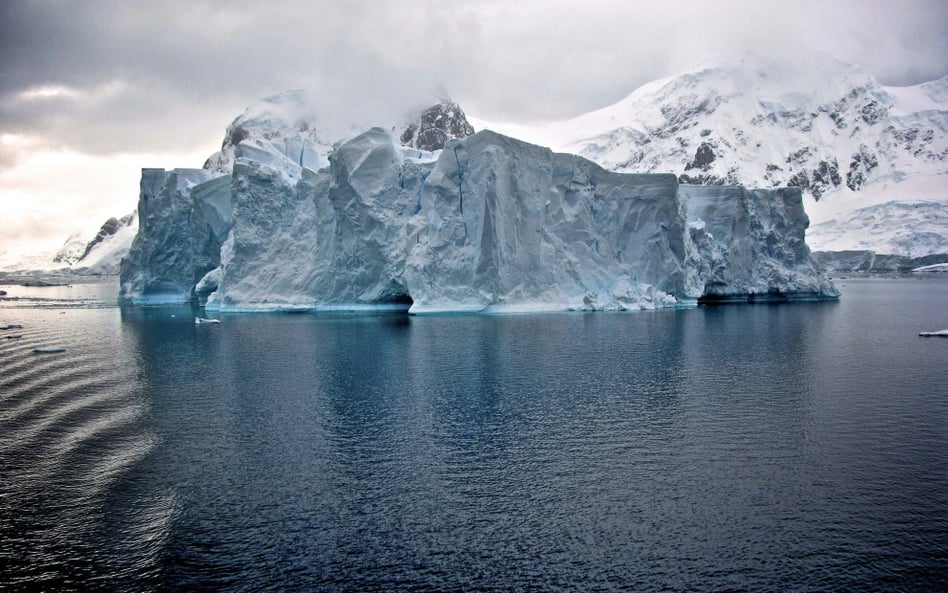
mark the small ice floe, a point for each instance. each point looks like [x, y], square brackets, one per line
[939, 334]
[48, 350]
[200, 320]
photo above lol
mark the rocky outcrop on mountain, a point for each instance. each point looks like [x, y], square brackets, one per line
[435, 126]
[109, 229]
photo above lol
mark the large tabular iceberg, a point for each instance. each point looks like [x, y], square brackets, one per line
[488, 223]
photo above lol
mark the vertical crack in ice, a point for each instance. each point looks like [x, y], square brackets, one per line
[154, 179]
[460, 179]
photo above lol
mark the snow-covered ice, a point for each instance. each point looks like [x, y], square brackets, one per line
[488, 223]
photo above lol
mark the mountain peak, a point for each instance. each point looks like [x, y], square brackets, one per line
[432, 128]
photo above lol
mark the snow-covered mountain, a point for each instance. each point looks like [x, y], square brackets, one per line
[103, 254]
[825, 126]
[79, 255]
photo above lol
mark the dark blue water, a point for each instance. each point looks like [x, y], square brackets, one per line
[744, 448]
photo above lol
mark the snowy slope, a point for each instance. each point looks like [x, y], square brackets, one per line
[99, 256]
[827, 126]
[103, 254]
[911, 229]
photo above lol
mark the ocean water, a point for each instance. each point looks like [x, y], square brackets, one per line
[799, 447]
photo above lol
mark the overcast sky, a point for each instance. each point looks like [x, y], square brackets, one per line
[92, 91]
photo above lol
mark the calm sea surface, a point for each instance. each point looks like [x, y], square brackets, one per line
[742, 448]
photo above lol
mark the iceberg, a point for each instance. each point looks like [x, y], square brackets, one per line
[487, 223]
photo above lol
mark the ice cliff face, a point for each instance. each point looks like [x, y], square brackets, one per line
[507, 225]
[489, 223]
[751, 244]
[184, 216]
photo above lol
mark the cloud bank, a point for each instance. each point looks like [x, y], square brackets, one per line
[106, 78]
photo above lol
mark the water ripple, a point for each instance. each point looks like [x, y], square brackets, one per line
[71, 425]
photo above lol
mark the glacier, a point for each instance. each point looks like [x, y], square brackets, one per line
[482, 223]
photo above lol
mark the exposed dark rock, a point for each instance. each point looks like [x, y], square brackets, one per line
[873, 112]
[863, 162]
[704, 156]
[818, 180]
[799, 156]
[435, 126]
[799, 179]
[731, 178]
[236, 135]
[827, 173]
[838, 119]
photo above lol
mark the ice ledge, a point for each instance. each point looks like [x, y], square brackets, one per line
[769, 298]
[217, 307]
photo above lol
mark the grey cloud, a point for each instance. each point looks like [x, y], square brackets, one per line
[188, 68]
